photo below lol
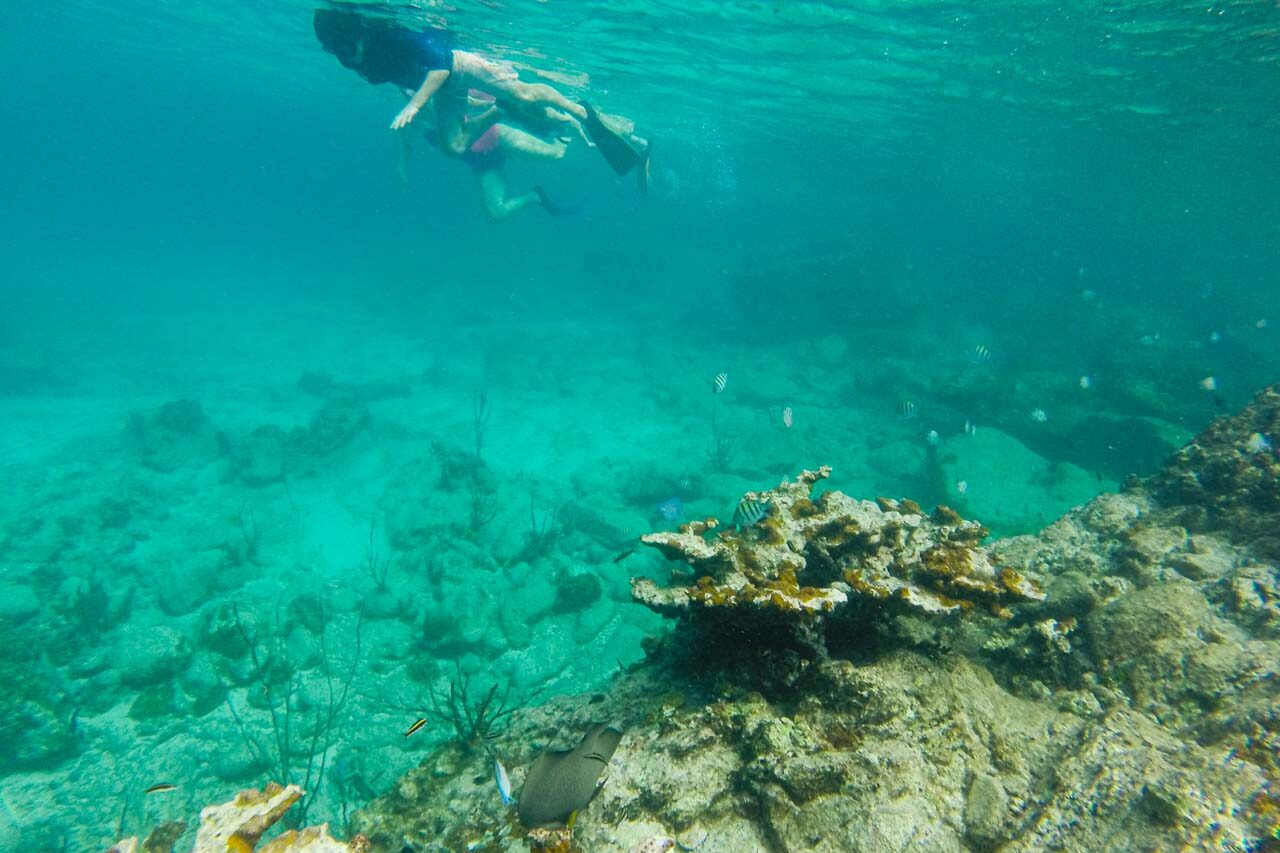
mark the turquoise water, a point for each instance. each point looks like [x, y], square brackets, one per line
[846, 201]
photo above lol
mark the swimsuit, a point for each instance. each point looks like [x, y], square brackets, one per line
[403, 57]
[485, 153]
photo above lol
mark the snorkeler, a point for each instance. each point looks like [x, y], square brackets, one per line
[424, 62]
[490, 141]
[424, 65]
[487, 153]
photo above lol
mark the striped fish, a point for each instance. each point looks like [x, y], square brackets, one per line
[981, 355]
[907, 409]
[161, 788]
[721, 380]
[417, 724]
[749, 511]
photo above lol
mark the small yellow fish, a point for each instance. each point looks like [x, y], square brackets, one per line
[417, 724]
[161, 788]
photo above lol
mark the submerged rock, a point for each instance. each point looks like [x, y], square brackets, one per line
[260, 459]
[268, 453]
[1228, 477]
[335, 424]
[18, 603]
[175, 435]
[147, 655]
[901, 753]
[33, 737]
[575, 592]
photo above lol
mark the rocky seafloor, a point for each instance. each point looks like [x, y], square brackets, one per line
[1110, 683]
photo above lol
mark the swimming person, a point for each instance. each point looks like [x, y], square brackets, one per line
[486, 155]
[426, 67]
[423, 64]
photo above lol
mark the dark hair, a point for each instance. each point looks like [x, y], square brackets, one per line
[339, 31]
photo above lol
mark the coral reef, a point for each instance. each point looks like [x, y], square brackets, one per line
[238, 826]
[812, 557]
[1130, 705]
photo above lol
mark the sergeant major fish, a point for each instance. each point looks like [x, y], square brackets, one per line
[749, 511]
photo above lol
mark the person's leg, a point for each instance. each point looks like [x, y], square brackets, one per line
[515, 140]
[493, 193]
[454, 133]
[501, 80]
[542, 115]
[541, 93]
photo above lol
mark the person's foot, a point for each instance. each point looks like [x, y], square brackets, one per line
[547, 204]
[582, 132]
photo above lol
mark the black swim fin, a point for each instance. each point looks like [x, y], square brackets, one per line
[551, 207]
[621, 155]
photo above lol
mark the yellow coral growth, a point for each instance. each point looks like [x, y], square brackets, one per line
[884, 549]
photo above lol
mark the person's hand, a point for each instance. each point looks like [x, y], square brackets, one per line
[406, 115]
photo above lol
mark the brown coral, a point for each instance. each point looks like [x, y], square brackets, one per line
[811, 557]
[237, 826]
[551, 840]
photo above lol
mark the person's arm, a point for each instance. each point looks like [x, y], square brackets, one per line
[484, 119]
[431, 85]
